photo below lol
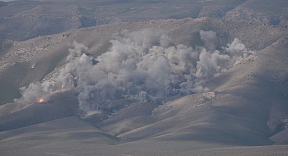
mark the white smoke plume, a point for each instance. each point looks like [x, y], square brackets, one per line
[209, 38]
[140, 66]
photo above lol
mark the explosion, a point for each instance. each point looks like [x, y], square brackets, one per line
[140, 66]
[41, 100]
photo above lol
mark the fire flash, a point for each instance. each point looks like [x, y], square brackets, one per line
[41, 100]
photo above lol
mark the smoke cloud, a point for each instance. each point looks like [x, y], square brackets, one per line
[140, 66]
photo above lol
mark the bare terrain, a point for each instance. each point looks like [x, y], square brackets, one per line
[24, 19]
[242, 109]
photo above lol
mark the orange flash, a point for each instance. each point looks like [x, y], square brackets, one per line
[41, 100]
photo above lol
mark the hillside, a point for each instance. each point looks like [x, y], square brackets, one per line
[41, 51]
[244, 110]
[260, 12]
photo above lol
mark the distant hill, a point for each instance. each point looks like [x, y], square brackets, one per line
[22, 20]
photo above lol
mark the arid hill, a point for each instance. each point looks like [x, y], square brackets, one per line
[243, 113]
